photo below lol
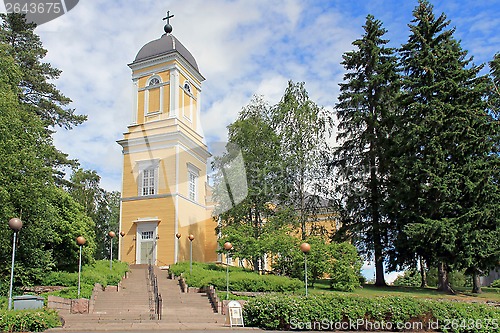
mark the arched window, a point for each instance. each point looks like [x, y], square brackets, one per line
[154, 81]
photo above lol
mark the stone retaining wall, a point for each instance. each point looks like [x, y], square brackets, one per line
[64, 305]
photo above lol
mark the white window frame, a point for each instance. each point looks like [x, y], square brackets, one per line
[151, 166]
[148, 182]
[192, 182]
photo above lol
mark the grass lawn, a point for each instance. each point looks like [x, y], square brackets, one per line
[368, 290]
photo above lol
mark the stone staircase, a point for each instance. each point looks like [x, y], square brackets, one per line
[130, 308]
[131, 303]
[189, 308]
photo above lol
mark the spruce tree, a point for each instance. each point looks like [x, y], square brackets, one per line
[365, 112]
[443, 163]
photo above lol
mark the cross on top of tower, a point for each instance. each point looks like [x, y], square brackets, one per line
[168, 28]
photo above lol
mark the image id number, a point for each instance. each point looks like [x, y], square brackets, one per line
[34, 8]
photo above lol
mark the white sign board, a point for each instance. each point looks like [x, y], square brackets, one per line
[235, 314]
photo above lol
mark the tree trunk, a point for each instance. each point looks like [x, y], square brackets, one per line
[302, 216]
[476, 282]
[375, 212]
[423, 274]
[379, 270]
[379, 258]
[443, 281]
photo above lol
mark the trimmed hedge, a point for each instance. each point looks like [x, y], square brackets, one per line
[339, 312]
[28, 320]
[240, 279]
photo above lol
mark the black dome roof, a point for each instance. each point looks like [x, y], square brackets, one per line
[165, 45]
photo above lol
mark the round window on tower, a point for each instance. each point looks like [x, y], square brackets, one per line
[187, 87]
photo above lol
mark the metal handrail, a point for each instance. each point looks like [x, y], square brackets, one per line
[156, 297]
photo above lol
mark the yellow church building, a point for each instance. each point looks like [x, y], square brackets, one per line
[164, 188]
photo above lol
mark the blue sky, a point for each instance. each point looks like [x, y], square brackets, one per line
[242, 48]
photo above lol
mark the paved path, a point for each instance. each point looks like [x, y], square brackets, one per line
[129, 309]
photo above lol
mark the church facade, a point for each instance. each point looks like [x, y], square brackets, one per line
[165, 194]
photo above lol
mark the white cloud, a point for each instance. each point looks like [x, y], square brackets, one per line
[241, 48]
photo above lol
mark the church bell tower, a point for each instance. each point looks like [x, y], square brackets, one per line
[164, 186]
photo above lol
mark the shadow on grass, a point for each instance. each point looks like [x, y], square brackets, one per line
[369, 290]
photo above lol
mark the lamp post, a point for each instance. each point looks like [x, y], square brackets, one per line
[191, 238]
[111, 235]
[227, 246]
[305, 248]
[120, 243]
[80, 241]
[178, 236]
[15, 224]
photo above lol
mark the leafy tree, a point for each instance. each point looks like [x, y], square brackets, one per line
[245, 245]
[282, 247]
[65, 221]
[251, 136]
[27, 190]
[344, 266]
[445, 169]
[365, 111]
[317, 258]
[101, 206]
[107, 219]
[283, 252]
[301, 127]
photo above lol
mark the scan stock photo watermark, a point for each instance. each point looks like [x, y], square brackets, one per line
[445, 325]
[40, 12]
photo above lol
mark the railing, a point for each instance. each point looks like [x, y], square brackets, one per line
[155, 300]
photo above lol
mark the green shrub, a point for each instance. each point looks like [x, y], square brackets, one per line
[496, 284]
[294, 312]
[410, 278]
[28, 320]
[98, 272]
[64, 279]
[345, 267]
[110, 277]
[72, 292]
[92, 277]
[240, 279]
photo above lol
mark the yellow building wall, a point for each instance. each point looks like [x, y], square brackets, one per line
[192, 217]
[166, 171]
[161, 208]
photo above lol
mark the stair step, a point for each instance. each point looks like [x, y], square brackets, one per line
[130, 307]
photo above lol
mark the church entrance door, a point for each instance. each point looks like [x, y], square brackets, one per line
[146, 243]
